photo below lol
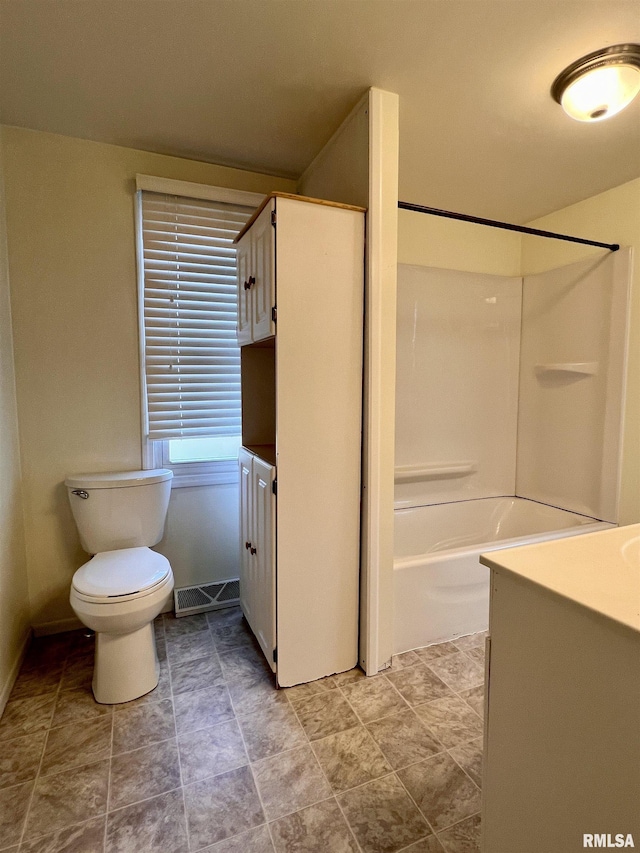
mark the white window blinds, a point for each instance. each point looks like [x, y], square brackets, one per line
[191, 359]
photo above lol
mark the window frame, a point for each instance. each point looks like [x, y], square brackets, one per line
[155, 453]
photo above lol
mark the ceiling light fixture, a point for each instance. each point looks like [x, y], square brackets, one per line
[600, 84]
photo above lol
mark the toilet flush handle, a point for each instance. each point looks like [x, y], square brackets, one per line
[80, 493]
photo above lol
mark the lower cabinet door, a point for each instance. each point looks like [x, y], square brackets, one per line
[257, 550]
[262, 572]
[245, 462]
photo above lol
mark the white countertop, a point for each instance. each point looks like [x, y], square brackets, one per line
[600, 571]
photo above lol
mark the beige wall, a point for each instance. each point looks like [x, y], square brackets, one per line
[71, 246]
[433, 241]
[14, 604]
[610, 217]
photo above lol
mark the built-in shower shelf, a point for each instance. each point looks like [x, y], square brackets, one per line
[449, 471]
[581, 368]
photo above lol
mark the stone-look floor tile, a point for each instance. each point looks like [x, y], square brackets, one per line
[348, 677]
[202, 708]
[464, 837]
[326, 714]
[78, 672]
[418, 684]
[253, 841]
[142, 725]
[350, 758]
[231, 636]
[208, 752]
[475, 699]
[20, 758]
[225, 616]
[153, 826]
[458, 671]
[438, 650]
[451, 720]
[222, 806]
[144, 773]
[161, 649]
[254, 694]
[404, 739]
[65, 799]
[186, 647]
[426, 845]
[443, 792]
[84, 838]
[374, 698]
[382, 816]
[303, 691]
[174, 626]
[470, 641]
[402, 661]
[469, 757]
[78, 705]
[194, 674]
[317, 829]
[244, 665]
[37, 681]
[75, 745]
[290, 781]
[14, 803]
[271, 730]
[476, 654]
[49, 651]
[24, 716]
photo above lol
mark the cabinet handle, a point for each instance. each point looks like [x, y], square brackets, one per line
[247, 545]
[252, 550]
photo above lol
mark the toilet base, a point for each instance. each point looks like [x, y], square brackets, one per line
[126, 666]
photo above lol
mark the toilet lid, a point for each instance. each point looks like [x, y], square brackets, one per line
[124, 572]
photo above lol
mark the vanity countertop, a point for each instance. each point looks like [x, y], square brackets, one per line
[599, 571]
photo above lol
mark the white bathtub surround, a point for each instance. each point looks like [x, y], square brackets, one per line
[441, 590]
[457, 363]
[505, 387]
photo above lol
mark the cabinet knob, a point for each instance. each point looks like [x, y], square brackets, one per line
[252, 550]
[249, 284]
[247, 545]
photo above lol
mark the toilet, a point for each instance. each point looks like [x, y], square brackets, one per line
[125, 585]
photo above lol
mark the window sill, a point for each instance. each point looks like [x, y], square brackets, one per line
[204, 474]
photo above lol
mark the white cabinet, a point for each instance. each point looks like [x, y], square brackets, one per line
[562, 729]
[301, 423]
[257, 568]
[256, 281]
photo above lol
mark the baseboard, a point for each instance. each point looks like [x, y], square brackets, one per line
[57, 626]
[13, 674]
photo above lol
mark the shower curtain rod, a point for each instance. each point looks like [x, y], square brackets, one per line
[523, 229]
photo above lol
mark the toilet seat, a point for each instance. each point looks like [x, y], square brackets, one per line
[121, 575]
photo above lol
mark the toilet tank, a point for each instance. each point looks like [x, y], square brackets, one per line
[125, 509]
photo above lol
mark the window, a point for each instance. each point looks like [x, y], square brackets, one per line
[190, 360]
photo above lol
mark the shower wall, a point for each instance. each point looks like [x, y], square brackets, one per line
[456, 385]
[512, 387]
[574, 330]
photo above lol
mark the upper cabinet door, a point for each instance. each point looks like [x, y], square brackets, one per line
[244, 264]
[263, 270]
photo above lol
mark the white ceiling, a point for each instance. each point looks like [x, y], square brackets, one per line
[263, 84]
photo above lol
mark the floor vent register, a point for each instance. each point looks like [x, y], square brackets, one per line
[213, 596]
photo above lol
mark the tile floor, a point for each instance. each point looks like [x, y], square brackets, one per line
[216, 759]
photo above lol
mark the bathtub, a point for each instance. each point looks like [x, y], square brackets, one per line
[440, 589]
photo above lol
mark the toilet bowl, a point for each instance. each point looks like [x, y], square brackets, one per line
[120, 591]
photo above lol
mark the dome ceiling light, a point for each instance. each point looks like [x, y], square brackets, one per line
[600, 84]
